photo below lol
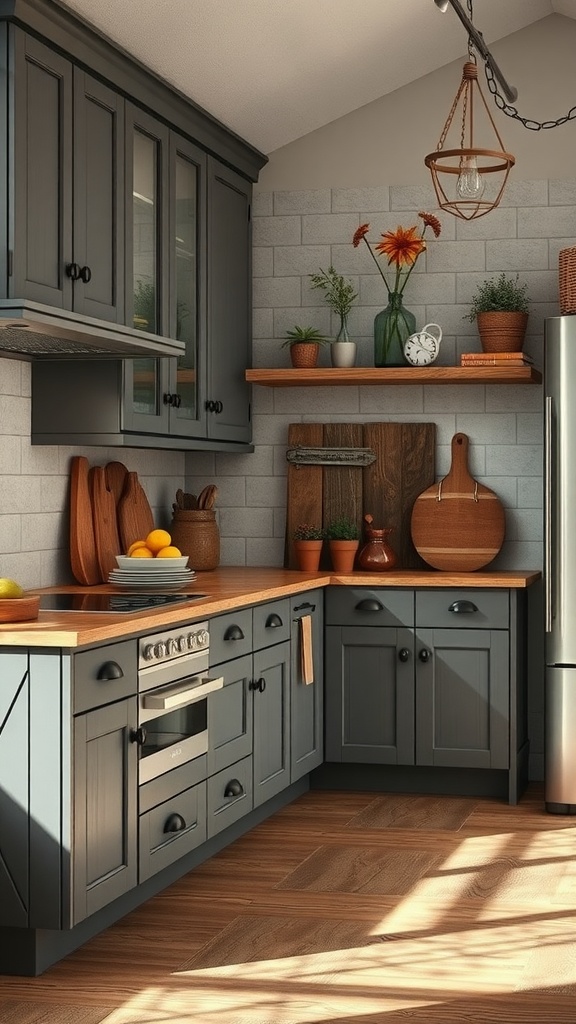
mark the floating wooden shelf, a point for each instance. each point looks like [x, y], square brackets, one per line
[361, 375]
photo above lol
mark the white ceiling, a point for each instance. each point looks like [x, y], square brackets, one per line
[274, 70]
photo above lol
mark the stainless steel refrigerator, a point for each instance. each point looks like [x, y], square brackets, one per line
[560, 562]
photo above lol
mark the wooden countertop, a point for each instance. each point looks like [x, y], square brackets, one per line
[225, 590]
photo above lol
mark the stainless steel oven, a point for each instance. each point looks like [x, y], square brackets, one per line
[173, 687]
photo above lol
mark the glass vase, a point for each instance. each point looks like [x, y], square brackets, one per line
[391, 328]
[343, 332]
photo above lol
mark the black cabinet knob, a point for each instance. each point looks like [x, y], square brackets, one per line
[273, 621]
[86, 274]
[176, 400]
[403, 654]
[138, 736]
[253, 684]
[174, 823]
[73, 271]
[461, 607]
[369, 604]
[234, 633]
[110, 670]
[167, 398]
[424, 654]
[234, 788]
[261, 684]
[218, 407]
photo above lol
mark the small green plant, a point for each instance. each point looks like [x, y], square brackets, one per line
[306, 532]
[342, 528]
[303, 335]
[499, 295]
[339, 294]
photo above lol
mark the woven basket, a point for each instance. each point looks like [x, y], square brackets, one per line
[304, 354]
[502, 331]
[567, 279]
[195, 532]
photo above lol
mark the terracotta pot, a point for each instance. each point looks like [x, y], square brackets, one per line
[308, 554]
[502, 332]
[304, 354]
[343, 553]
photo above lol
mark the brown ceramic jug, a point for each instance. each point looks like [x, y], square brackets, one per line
[376, 555]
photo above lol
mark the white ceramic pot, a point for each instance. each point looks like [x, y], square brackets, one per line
[343, 353]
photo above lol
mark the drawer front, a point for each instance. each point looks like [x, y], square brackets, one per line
[170, 784]
[230, 715]
[369, 606]
[229, 796]
[159, 844]
[271, 623]
[463, 609]
[230, 636]
[105, 674]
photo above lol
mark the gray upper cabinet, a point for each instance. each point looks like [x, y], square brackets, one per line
[65, 185]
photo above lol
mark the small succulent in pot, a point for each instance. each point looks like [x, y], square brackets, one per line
[304, 344]
[306, 532]
[342, 528]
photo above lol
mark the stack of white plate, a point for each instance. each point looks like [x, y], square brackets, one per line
[151, 572]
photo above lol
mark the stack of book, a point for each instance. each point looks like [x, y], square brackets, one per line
[495, 359]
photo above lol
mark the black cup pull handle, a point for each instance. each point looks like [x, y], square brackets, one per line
[177, 400]
[86, 274]
[167, 398]
[138, 736]
[425, 655]
[462, 606]
[73, 271]
[234, 788]
[234, 633]
[403, 654]
[174, 823]
[273, 621]
[261, 684]
[369, 604]
[110, 670]
[218, 407]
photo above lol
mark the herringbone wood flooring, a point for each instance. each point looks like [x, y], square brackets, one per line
[343, 907]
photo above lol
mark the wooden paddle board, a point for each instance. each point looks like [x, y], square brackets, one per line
[135, 519]
[83, 561]
[116, 474]
[458, 524]
[105, 524]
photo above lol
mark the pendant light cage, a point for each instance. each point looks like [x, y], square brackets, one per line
[469, 179]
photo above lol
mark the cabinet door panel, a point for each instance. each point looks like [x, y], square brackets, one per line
[14, 800]
[306, 700]
[369, 695]
[462, 695]
[105, 806]
[41, 177]
[99, 198]
[271, 722]
[230, 715]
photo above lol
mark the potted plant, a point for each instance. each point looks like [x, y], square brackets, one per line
[500, 309]
[340, 296]
[304, 343]
[343, 540]
[308, 542]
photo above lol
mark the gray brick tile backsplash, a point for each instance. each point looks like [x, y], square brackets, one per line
[500, 224]
[562, 193]
[276, 230]
[517, 255]
[361, 200]
[292, 260]
[547, 222]
[328, 228]
[308, 201]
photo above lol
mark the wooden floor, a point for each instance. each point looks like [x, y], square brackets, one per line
[343, 907]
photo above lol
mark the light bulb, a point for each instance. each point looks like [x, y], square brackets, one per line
[470, 184]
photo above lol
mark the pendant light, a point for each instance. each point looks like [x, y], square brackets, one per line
[470, 166]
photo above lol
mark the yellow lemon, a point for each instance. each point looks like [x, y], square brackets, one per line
[136, 544]
[141, 553]
[169, 552]
[158, 539]
[9, 588]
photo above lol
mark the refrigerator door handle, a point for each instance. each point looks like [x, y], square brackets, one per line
[548, 506]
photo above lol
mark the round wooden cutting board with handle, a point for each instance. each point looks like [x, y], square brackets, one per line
[458, 524]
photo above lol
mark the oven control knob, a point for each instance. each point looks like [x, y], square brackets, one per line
[203, 637]
[192, 641]
[182, 644]
[172, 646]
[160, 650]
[149, 652]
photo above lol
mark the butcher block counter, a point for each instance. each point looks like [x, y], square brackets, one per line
[225, 589]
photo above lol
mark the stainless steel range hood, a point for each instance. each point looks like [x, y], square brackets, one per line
[30, 330]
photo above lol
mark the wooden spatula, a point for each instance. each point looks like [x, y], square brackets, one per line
[135, 519]
[83, 559]
[105, 525]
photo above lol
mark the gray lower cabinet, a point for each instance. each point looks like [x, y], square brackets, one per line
[271, 756]
[14, 793]
[306, 695]
[425, 678]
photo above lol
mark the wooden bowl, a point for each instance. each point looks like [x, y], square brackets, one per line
[19, 609]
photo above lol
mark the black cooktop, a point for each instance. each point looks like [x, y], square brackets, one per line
[111, 603]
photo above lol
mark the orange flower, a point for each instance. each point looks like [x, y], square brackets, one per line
[360, 234]
[402, 246]
[430, 221]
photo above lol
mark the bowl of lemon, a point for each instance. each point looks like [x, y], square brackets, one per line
[155, 552]
[15, 604]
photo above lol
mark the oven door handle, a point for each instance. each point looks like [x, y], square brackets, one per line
[180, 694]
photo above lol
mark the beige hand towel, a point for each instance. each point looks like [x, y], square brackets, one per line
[306, 656]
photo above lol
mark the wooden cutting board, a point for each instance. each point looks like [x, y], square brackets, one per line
[458, 525]
[135, 519]
[105, 524]
[404, 466]
[116, 474]
[83, 559]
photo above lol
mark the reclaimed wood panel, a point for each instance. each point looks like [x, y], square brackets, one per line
[304, 486]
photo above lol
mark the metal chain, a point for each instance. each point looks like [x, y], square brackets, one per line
[506, 108]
